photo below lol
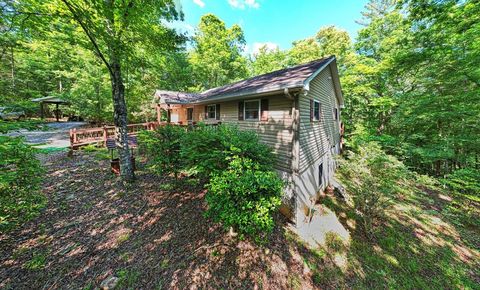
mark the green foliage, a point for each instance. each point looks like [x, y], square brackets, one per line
[372, 178]
[31, 125]
[127, 279]
[20, 177]
[162, 146]
[37, 262]
[268, 60]
[465, 181]
[244, 197]
[206, 149]
[217, 56]
[243, 189]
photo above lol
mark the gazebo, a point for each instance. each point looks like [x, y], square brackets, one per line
[50, 100]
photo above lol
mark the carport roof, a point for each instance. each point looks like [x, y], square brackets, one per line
[50, 99]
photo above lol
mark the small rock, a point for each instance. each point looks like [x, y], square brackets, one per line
[109, 283]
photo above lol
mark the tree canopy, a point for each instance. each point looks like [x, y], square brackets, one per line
[410, 78]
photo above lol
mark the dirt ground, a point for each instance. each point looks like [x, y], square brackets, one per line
[152, 234]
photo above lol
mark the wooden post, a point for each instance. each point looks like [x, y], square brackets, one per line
[159, 114]
[74, 135]
[57, 113]
[105, 135]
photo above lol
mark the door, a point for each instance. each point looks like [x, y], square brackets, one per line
[189, 115]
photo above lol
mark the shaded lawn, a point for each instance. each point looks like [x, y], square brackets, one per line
[429, 240]
[153, 234]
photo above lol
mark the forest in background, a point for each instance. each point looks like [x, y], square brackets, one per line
[411, 78]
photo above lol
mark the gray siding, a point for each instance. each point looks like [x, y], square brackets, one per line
[277, 132]
[318, 137]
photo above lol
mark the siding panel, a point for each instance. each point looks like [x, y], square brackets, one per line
[317, 138]
[277, 132]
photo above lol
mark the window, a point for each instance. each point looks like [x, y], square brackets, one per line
[316, 111]
[211, 112]
[252, 110]
[189, 114]
[320, 175]
[335, 113]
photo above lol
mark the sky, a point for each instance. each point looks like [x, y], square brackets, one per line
[275, 22]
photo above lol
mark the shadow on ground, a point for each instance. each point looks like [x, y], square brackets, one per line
[152, 234]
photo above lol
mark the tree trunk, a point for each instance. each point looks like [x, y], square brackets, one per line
[13, 69]
[120, 120]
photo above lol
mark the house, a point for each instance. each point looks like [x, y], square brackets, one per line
[294, 110]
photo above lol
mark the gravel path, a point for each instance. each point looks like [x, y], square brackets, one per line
[56, 134]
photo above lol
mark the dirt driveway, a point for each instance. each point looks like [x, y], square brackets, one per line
[56, 134]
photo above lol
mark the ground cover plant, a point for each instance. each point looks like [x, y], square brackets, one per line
[20, 178]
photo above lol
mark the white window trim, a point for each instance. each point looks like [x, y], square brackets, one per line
[208, 112]
[318, 111]
[245, 107]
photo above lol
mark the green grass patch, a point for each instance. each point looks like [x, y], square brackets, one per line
[426, 239]
[37, 262]
[127, 279]
[48, 150]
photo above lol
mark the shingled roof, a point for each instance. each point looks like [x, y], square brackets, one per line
[292, 77]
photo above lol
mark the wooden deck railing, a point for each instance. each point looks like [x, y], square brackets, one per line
[82, 137]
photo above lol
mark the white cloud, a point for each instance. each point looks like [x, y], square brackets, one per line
[271, 46]
[252, 3]
[199, 3]
[180, 26]
[242, 4]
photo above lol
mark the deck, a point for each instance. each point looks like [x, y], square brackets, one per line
[100, 135]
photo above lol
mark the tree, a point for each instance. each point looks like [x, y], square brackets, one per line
[304, 51]
[268, 60]
[217, 55]
[376, 9]
[112, 27]
[334, 41]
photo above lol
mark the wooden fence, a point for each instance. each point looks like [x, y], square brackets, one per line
[82, 137]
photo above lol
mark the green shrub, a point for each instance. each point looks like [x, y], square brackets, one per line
[465, 181]
[371, 178]
[20, 177]
[244, 196]
[206, 149]
[162, 147]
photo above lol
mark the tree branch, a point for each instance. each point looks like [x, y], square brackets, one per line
[89, 35]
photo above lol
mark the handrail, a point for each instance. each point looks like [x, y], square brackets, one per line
[79, 137]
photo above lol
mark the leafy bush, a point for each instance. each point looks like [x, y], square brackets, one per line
[20, 177]
[244, 197]
[372, 177]
[207, 149]
[243, 192]
[162, 146]
[465, 181]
